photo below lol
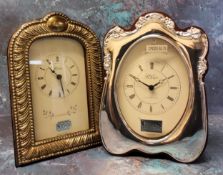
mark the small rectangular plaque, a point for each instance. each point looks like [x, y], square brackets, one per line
[63, 125]
[151, 126]
[156, 48]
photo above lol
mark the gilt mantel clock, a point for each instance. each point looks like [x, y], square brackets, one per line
[55, 72]
[154, 95]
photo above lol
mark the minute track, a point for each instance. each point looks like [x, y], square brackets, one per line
[151, 88]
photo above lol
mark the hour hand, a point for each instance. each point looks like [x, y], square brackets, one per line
[157, 84]
[162, 81]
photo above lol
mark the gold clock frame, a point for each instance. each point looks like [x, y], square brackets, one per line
[27, 150]
[193, 44]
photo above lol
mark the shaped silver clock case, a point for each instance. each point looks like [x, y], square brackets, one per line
[189, 145]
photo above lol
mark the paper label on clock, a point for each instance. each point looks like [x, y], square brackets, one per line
[156, 48]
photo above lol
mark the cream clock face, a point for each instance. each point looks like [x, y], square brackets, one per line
[57, 76]
[153, 90]
[58, 84]
[152, 87]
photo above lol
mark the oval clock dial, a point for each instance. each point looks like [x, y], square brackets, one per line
[152, 87]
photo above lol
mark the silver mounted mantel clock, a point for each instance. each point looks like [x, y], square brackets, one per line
[154, 95]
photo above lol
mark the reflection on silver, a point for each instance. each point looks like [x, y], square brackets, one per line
[187, 146]
[185, 150]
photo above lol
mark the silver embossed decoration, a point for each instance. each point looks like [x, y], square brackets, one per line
[154, 94]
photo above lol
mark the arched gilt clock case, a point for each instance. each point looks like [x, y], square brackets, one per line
[56, 80]
[154, 94]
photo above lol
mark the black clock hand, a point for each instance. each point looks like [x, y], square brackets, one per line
[161, 81]
[59, 77]
[138, 80]
[156, 84]
[52, 70]
[151, 87]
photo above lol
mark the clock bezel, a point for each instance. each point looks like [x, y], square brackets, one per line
[177, 130]
[27, 149]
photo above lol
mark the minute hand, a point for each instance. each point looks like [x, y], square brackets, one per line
[59, 77]
[138, 80]
[61, 84]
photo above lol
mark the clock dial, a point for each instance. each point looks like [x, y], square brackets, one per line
[152, 87]
[57, 76]
[58, 84]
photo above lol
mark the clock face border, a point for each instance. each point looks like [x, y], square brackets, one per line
[184, 146]
[27, 149]
[188, 110]
[88, 80]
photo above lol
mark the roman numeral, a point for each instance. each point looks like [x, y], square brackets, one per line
[151, 65]
[73, 83]
[140, 67]
[43, 86]
[162, 107]
[140, 105]
[170, 98]
[132, 96]
[173, 87]
[50, 93]
[40, 78]
[151, 108]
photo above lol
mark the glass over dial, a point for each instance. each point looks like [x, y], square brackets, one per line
[59, 87]
[152, 87]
